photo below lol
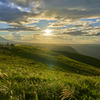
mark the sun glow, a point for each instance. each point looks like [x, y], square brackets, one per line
[48, 32]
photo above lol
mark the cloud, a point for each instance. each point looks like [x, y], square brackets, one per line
[96, 34]
[12, 13]
[57, 24]
[18, 11]
[21, 14]
[72, 9]
[92, 28]
[81, 25]
[4, 1]
[98, 20]
[18, 27]
[75, 33]
[86, 40]
[14, 36]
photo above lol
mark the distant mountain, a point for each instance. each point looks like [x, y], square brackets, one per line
[92, 50]
[56, 47]
[3, 40]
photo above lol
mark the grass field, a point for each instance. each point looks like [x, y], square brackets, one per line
[82, 58]
[33, 73]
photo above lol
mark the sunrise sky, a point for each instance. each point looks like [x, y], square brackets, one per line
[51, 21]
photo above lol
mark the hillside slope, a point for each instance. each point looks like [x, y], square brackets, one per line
[81, 58]
[51, 58]
[33, 73]
[57, 47]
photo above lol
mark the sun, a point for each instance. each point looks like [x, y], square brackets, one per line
[48, 32]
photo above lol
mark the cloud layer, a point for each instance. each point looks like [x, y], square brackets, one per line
[20, 10]
[69, 15]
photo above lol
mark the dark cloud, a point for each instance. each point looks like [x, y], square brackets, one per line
[88, 25]
[12, 13]
[77, 25]
[8, 14]
[97, 34]
[76, 33]
[73, 9]
[18, 27]
[21, 10]
[4, 1]
[92, 28]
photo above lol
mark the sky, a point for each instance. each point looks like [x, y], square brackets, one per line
[51, 21]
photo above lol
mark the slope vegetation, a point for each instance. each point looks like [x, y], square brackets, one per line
[33, 73]
[82, 58]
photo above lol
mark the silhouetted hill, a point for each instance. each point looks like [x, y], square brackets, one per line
[82, 58]
[57, 47]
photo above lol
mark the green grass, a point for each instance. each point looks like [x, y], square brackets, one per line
[32, 73]
[82, 58]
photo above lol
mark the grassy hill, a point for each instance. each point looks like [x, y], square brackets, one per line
[33, 73]
[57, 47]
[82, 58]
